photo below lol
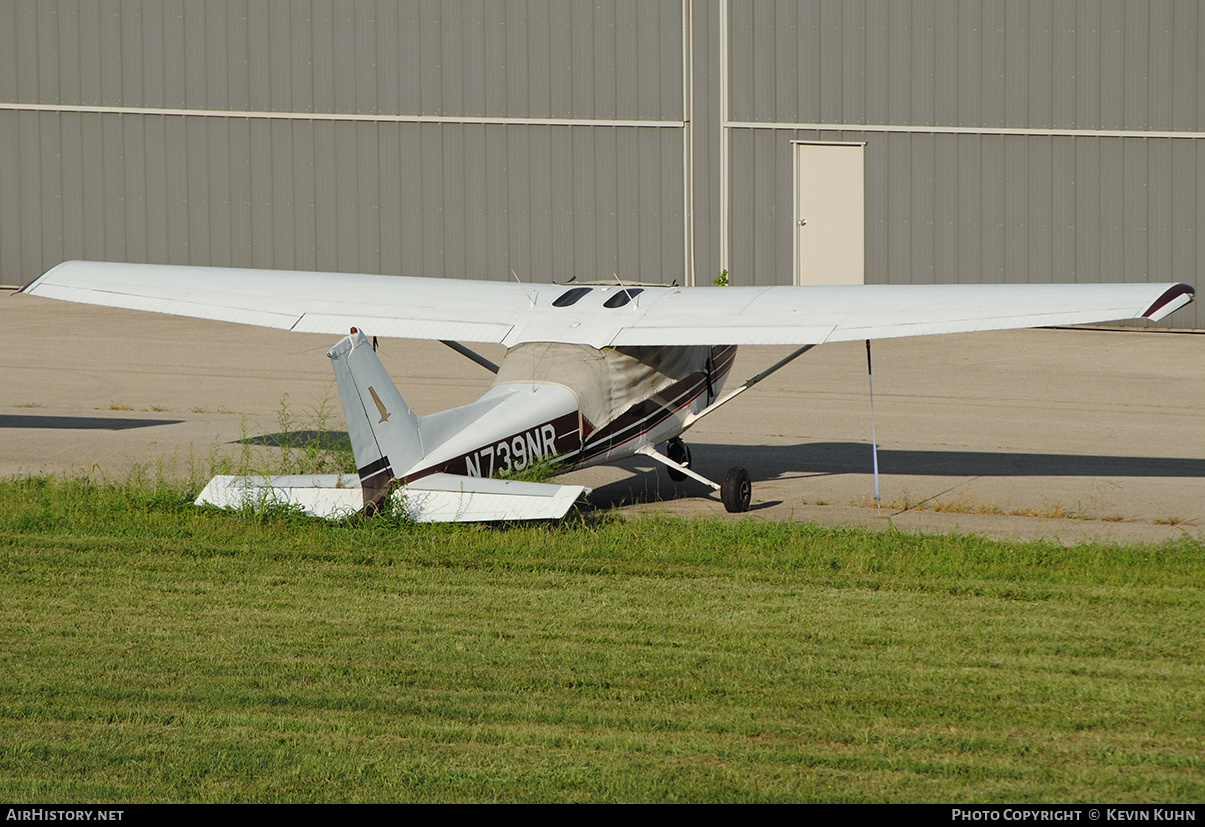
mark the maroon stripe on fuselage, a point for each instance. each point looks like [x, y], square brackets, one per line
[646, 415]
[565, 444]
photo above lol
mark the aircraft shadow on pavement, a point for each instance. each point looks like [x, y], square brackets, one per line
[649, 482]
[650, 485]
[80, 423]
[813, 459]
[324, 440]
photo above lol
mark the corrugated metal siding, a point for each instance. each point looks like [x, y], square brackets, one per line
[968, 207]
[551, 201]
[993, 208]
[974, 63]
[439, 200]
[518, 58]
[704, 137]
[475, 200]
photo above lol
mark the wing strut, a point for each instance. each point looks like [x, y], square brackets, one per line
[469, 354]
[781, 363]
[653, 453]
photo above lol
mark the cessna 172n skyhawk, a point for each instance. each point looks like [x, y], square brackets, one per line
[592, 373]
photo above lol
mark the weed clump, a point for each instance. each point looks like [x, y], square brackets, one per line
[303, 443]
[540, 470]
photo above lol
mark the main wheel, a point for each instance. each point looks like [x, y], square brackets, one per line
[679, 452]
[737, 490]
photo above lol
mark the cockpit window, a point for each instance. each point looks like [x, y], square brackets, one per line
[623, 297]
[570, 296]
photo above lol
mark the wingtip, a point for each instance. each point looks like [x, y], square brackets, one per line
[1172, 299]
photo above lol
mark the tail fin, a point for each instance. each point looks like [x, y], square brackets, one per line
[385, 435]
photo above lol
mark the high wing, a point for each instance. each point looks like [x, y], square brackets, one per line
[510, 314]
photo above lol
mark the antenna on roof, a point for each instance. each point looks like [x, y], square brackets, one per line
[632, 297]
[531, 294]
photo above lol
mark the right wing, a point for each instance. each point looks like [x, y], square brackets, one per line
[814, 315]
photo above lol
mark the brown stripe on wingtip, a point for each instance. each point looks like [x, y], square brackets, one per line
[1169, 295]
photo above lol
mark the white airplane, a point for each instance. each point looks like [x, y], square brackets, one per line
[593, 373]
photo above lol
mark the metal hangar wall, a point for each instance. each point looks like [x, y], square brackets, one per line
[1005, 140]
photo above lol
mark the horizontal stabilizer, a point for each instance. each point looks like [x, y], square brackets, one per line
[320, 495]
[439, 498]
[446, 498]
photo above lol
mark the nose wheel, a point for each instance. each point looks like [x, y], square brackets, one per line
[679, 452]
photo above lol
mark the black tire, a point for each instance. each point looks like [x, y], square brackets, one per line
[737, 490]
[679, 452]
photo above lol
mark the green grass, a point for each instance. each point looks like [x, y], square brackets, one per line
[541, 470]
[153, 651]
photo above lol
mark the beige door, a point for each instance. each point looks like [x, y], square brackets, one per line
[830, 223]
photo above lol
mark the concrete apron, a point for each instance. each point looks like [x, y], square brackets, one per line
[1060, 434]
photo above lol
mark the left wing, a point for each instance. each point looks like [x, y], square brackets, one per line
[408, 308]
[600, 316]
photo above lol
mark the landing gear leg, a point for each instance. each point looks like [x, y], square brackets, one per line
[679, 452]
[737, 490]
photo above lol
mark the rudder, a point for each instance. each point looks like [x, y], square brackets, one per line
[386, 437]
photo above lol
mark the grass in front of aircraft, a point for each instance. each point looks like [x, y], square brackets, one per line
[153, 651]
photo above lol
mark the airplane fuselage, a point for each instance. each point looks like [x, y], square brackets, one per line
[544, 421]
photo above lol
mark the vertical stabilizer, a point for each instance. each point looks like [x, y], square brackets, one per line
[385, 435]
